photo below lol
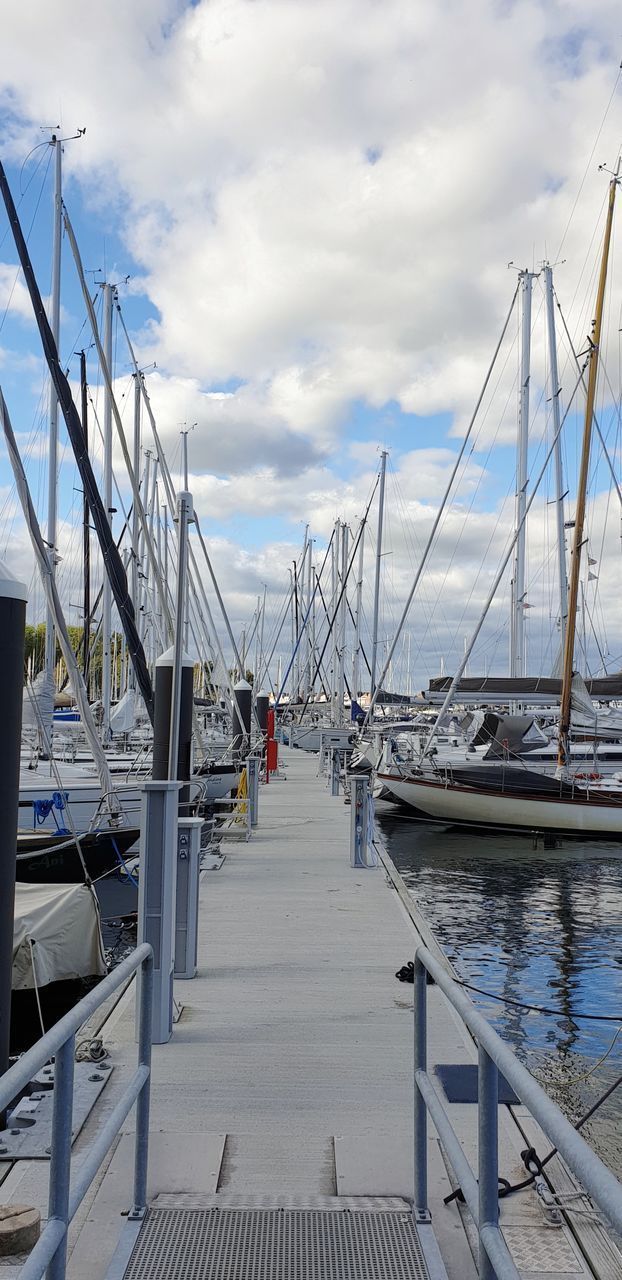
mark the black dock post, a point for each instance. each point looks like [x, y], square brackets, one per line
[13, 597]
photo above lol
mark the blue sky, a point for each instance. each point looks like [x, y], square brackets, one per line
[304, 305]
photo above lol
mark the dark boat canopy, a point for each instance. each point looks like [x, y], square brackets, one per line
[521, 689]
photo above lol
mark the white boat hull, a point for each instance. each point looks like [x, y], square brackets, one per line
[437, 801]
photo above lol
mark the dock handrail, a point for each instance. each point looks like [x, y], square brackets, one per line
[481, 1192]
[49, 1255]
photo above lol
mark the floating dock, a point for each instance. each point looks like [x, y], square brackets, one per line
[281, 1136]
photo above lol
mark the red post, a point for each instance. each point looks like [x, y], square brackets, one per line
[272, 747]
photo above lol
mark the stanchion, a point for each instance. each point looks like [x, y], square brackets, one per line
[157, 896]
[187, 896]
[362, 851]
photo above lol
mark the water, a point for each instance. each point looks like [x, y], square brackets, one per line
[542, 927]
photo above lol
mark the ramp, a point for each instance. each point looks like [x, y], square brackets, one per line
[186, 1237]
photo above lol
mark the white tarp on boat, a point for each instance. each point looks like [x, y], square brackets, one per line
[586, 716]
[123, 716]
[57, 928]
[38, 704]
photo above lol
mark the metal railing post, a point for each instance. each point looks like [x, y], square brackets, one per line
[420, 1198]
[488, 1154]
[60, 1159]
[141, 1150]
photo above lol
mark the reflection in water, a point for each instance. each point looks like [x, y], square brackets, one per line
[533, 925]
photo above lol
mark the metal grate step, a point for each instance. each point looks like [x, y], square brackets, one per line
[277, 1244]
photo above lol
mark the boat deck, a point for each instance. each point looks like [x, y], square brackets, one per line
[287, 1084]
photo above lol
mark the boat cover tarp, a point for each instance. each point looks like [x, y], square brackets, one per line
[123, 716]
[587, 717]
[508, 735]
[518, 689]
[61, 921]
[513, 781]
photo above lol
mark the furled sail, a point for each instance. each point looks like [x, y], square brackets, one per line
[38, 709]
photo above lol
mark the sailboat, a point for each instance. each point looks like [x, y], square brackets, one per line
[501, 795]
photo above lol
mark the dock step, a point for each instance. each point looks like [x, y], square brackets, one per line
[318, 1238]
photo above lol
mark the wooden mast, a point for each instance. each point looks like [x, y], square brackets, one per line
[575, 563]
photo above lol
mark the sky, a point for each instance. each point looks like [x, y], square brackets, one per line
[315, 215]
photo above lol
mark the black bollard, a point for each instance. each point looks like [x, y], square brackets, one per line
[242, 713]
[13, 596]
[162, 723]
[262, 706]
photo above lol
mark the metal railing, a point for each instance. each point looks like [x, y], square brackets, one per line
[481, 1192]
[65, 1197]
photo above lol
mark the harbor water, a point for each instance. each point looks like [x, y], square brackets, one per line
[533, 926]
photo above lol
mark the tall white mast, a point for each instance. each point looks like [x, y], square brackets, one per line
[106, 593]
[374, 639]
[142, 558]
[136, 463]
[342, 623]
[356, 655]
[308, 672]
[50, 633]
[334, 578]
[559, 473]
[134, 579]
[517, 621]
[184, 437]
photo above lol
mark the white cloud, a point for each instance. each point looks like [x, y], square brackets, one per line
[321, 200]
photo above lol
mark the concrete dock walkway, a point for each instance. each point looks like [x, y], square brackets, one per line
[290, 1069]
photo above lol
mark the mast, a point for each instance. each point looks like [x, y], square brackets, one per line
[332, 628]
[107, 593]
[184, 440]
[136, 460]
[74, 428]
[86, 534]
[374, 641]
[312, 645]
[559, 473]
[50, 633]
[356, 656]
[342, 624]
[577, 542]
[307, 651]
[517, 621]
[296, 635]
[135, 586]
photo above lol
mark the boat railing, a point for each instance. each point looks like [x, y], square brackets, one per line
[140, 757]
[481, 1190]
[65, 1195]
[109, 804]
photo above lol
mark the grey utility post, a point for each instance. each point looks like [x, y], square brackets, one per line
[187, 898]
[359, 819]
[13, 597]
[157, 896]
[252, 775]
